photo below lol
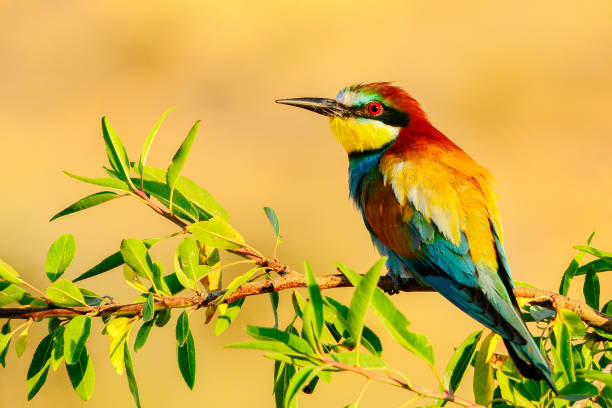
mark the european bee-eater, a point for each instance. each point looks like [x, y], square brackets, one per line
[429, 207]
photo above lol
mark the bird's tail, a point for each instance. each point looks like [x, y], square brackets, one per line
[530, 362]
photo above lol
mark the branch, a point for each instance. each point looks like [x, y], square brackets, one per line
[291, 280]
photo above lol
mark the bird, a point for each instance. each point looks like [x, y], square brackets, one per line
[430, 209]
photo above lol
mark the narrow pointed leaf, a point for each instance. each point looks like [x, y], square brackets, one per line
[180, 157]
[76, 334]
[5, 338]
[60, 255]
[591, 289]
[458, 364]
[65, 293]
[187, 360]
[191, 192]
[271, 214]
[110, 262]
[225, 319]
[82, 375]
[148, 310]
[8, 273]
[182, 328]
[595, 252]
[578, 390]
[236, 283]
[299, 380]
[118, 330]
[21, 343]
[315, 298]
[57, 354]
[87, 202]
[143, 335]
[265, 345]
[360, 302]
[216, 233]
[108, 182]
[131, 375]
[148, 142]
[483, 372]
[136, 255]
[39, 367]
[117, 155]
[295, 342]
[570, 272]
[395, 322]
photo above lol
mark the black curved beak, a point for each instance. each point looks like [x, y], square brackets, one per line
[323, 106]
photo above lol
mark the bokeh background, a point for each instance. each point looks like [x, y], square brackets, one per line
[525, 87]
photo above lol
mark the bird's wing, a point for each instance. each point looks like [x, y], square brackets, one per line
[446, 235]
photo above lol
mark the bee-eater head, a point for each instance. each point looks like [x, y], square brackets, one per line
[364, 117]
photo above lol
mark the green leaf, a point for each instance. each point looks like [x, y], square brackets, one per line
[605, 378]
[265, 345]
[143, 335]
[236, 283]
[361, 300]
[65, 293]
[217, 233]
[131, 375]
[110, 262]
[136, 255]
[483, 373]
[570, 272]
[274, 300]
[540, 313]
[591, 289]
[87, 202]
[182, 328]
[365, 360]
[562, 351]
[148, 310]
[187, 360]
[82, 375]
[595, 252]
[162, 317]
[295, 342]
[179, 159]
[299, 380]
[460, 361]
[132, 279]
[271, 214]
[598, 265]
[21, 343]
[180, 205]
[190, 191]
[574, 323]
[228, 316]
[5, 338]
[57, 354]
[395, 322]
[39, 367]
[118, 330]
[158, 279]
[108, 182]
[147, 146]
[75, 336]
[8, 273]
[60, 255]
[10, 293]
[578, 390]
[189, 270]
[315, 299]
[117, 155]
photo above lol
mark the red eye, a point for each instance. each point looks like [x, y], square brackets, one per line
[375, 108]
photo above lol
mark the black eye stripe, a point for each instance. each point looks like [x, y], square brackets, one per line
[390, 116]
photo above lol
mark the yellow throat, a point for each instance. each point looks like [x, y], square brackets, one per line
[359, 134]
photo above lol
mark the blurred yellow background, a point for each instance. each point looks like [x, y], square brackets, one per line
[524, 87]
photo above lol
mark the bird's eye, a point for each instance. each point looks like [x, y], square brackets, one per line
[375, 108]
